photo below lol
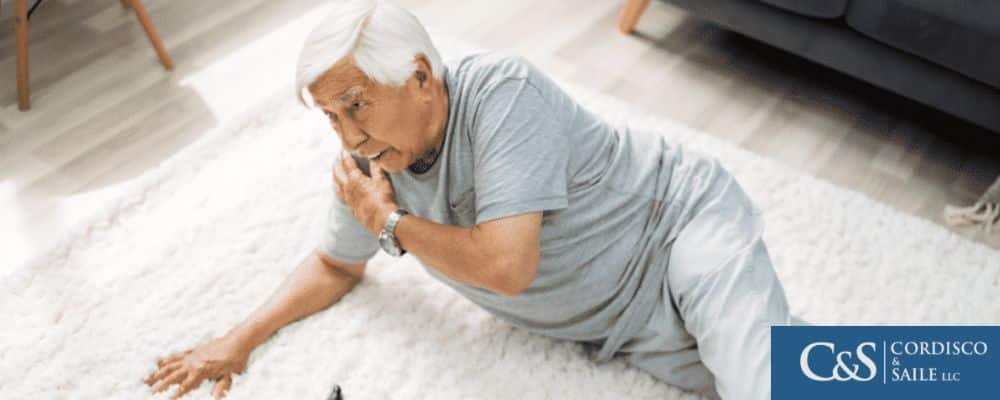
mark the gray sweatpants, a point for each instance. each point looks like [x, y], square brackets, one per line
[711, 332]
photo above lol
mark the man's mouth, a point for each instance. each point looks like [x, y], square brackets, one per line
[377, 155]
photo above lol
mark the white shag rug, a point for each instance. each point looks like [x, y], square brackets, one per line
[206, 237]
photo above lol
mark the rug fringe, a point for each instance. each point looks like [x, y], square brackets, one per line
[984, 213]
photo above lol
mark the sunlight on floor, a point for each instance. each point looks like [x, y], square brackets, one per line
[227, 86]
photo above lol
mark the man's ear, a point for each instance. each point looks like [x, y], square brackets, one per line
[423, 70]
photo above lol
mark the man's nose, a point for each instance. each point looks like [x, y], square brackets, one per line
[351, 137]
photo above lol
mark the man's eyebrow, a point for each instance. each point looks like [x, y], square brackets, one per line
[351, 94]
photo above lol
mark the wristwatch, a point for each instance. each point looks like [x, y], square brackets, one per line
[387, 238]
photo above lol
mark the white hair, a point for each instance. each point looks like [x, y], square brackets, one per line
[382, 37]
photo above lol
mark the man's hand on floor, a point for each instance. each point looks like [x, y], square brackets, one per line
[215, 360]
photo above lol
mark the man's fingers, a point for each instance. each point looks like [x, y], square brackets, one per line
[339, 176]
[380, 177]
[349, 161]
[162, 372]
[173, 357]
[222, 387]
[338, 192]
[339, 181]
[344, 164]
[171, 379]
[376, 169]
[189, 384]
[351, 167]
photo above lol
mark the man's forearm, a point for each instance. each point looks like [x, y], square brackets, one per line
[455, 251]
[312, 287]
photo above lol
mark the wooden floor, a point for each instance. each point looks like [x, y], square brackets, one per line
[104, 111]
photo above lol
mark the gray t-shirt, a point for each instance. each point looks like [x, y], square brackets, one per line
[516, 143]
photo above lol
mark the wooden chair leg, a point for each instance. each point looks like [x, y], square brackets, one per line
[630, 14]
[21, 32]
[154, 38]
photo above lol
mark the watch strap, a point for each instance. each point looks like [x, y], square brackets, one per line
[390, 228]
[390, 223]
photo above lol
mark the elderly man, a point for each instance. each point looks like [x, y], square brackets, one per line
[527, 204]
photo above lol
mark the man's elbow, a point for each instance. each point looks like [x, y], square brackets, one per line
[516, 275]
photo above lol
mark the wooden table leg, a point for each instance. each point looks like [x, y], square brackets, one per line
[630, 14]
[154, 38]
[21, 32]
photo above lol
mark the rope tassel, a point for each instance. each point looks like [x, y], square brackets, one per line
[985, 211]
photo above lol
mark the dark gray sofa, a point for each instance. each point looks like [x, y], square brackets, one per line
[942, 53]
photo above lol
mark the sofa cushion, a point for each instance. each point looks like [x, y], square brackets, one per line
[812, 8]
[961, 35]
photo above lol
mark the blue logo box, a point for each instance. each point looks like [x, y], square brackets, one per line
[885, 362]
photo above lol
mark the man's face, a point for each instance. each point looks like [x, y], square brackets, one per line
[398, 122]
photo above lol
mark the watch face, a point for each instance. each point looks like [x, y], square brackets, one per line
[388, 244]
